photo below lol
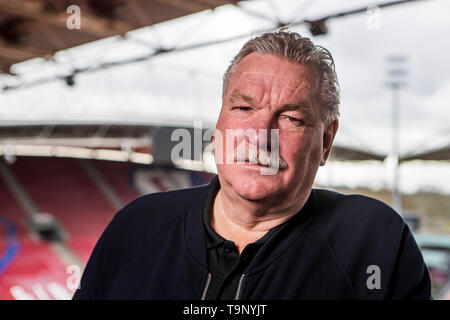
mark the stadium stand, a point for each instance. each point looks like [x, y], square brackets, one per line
[11, 211]
[82, 196]
[61, 188]
[118, 176]
[29, 268]
[36, 273]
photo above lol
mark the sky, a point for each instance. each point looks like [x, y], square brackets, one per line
[182, 87]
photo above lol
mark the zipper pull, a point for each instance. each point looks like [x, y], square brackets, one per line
[238, 292]
[205, 289]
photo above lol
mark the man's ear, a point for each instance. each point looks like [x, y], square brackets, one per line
[328, 137]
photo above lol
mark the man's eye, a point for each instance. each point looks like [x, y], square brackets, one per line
[293, 120]
[242, 108]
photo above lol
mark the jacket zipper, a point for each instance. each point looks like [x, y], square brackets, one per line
[205, 289]
[238, 292]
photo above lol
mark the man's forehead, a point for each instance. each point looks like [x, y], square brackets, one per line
[258, 66]
[273, 78]
[255, 84]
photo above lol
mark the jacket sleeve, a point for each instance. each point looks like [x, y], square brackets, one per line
[102, 265]
[411, 279]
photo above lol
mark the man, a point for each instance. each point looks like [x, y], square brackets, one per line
[258, 234]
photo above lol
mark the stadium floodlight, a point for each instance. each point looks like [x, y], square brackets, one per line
[396, 73]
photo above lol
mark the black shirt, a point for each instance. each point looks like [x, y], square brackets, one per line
[224, 262]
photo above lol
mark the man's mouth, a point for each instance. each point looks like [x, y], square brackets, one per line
[247, 161]
[262, 158]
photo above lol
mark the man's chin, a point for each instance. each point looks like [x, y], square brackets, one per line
[255, 188]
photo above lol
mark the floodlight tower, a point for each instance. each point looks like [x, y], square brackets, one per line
[396, 74]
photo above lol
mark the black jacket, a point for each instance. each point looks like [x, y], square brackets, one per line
[155, 248]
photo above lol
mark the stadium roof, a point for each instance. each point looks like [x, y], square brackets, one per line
[38, 28]
[125, 96]
[434, 148]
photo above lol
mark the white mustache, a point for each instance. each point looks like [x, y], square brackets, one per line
[260, 157]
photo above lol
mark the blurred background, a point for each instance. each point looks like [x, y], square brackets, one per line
[91, 91]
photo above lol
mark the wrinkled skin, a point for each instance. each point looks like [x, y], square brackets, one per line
[267, 92]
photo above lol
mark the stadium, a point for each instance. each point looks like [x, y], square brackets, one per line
[92, 92]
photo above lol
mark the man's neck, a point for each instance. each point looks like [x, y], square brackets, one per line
[243, 221]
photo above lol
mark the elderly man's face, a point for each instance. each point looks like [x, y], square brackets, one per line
[267, 92]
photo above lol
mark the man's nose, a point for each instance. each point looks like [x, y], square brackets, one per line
[259, 131]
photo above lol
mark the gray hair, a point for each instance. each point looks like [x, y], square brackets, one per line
[298, 49]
